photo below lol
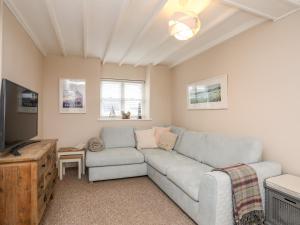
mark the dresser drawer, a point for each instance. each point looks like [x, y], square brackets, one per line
[41, 186]
[42, 203]
[54, 178]
[42, 165]
[51, 160]
[49, 176]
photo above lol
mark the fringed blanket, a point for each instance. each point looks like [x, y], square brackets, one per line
[246, 199]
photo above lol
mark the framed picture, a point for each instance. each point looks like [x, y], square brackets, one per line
[72, 96]
[208, 94]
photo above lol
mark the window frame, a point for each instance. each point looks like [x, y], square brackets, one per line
[122, 99]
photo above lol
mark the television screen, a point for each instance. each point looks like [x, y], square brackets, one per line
[19, 114]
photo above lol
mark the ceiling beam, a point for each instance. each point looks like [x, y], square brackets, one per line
[287, 14]
[295, 2]
[85, 17]
[229, 13]
[25, 25]
[145, 27]
[153, 49]
[254, 22]
[249, 9]
[116, 25]
[55, 25]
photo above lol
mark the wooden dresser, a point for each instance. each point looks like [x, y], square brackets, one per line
[27, 183]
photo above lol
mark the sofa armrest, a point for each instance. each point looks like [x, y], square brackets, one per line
[215, 193]
[265, 170]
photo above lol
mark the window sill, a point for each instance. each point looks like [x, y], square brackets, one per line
[120, 119]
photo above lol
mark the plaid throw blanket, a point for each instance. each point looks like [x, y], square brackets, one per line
[246, 199]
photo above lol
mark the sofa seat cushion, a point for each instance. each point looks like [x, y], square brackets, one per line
[161, 162]
[187, 176]
[114, 157]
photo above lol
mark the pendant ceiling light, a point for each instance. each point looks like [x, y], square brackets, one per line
[184, 25]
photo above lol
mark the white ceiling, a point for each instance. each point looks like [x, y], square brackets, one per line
[136, 31]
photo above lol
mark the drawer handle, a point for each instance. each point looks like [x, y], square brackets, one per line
[42, 186]
[44, 165]
[49, 173]
[290, 201]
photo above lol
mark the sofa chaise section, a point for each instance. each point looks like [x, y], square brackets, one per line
[205, 195]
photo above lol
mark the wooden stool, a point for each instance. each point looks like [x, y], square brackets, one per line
[69, 159]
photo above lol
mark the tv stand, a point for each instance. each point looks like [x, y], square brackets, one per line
[15, 150]
[27, 183]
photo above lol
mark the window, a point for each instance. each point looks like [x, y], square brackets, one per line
[119, 95]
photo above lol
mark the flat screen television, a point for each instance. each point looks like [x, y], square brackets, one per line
[18, 116]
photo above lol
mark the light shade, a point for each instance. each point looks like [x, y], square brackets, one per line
[184, 25]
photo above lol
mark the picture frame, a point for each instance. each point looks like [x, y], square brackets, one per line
[208, 94]
[72, 95]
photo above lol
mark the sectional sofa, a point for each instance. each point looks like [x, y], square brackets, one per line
[184, 174]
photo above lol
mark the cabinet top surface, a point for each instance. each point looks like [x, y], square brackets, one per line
[285, 183]
[32, 152]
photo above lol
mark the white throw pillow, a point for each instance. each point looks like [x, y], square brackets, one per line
[145, 139]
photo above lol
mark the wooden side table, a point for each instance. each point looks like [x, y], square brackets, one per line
[71, 155]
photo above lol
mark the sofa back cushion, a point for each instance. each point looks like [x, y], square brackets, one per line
[222, 151]
[192, 145]
[118, 137]
[179, 131]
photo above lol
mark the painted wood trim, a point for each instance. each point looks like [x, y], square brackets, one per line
[55, 24]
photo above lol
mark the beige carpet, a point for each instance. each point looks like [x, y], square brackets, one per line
[134, 201]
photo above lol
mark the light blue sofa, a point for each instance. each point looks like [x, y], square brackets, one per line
[184, 174]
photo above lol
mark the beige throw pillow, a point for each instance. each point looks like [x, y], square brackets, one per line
[145, 139]
[158, 131]
[167, 141]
